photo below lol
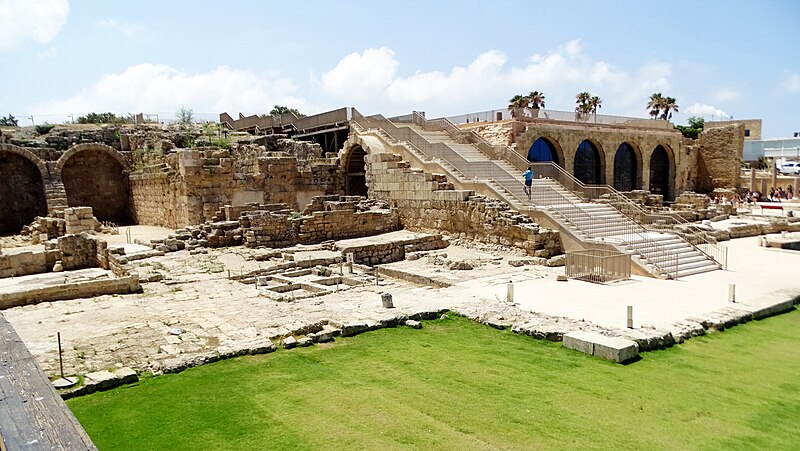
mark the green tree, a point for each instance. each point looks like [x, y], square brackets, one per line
[536, 100]
[660, 107]
[277, 110]
[654, 104]
[9, 121]
[101, 118]
[695, 127]
[669, 106]
[587, 104]
[517, 105]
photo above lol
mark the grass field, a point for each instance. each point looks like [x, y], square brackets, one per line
[460, 385]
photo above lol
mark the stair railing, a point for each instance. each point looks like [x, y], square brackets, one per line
[570, 213]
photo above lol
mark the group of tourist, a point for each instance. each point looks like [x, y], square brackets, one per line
[778, 195]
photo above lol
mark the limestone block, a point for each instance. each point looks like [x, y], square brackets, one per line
[102, 380]
[616, 349]
[126, 375]
[579, 341]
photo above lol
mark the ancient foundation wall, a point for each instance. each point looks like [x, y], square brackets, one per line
[427, 202]
[190, 186]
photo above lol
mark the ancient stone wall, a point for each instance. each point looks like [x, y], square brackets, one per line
[565, 137]
[190, 186]
[427, 202]
[21, 192]
[719, 156]
[95, 178]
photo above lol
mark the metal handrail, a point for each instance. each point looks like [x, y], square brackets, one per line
[715, 251]
[612, 197]
[569, 212]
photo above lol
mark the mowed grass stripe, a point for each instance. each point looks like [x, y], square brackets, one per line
[457, 384]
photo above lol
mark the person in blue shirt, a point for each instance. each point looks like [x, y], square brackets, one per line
[528, 181]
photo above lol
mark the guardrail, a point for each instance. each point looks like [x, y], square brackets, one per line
[598, 265]
[542, 114]
[491, 172]
[701, 241]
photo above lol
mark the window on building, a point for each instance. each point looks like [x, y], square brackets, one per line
[746, 132]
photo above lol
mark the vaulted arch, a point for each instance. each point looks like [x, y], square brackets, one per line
[21, 189]
[588, 165]
[545, 149]
[95, 175]
[662, 172]
[627, 168]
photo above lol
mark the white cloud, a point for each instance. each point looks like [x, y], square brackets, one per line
[792, 83]
[25, 20]
[725, 94]
[360, 75]
[701, 109]
[130, 30]
[162, 89]
[371, 78]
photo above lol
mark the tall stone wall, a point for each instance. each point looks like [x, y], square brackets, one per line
[719, 156]
[567, 136]
[190, 186]
[428, 202]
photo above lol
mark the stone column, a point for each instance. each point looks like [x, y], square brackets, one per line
[752, 179]
[774, 175]
[796, 185]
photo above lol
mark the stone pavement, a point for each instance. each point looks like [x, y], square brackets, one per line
[218, 317]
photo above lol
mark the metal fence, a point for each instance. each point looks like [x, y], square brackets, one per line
[555, 115]
[598, 265]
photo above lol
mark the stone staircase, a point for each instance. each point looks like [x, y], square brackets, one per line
[663, 253]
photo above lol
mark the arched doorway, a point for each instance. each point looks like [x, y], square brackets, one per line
[21, 191]
[625, 168]
[355, 179]
[543, 150]
[588, 164]
[94, 178]
[660, 166]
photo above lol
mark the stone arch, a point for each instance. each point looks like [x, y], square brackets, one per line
[354, 169]
[589, 163]
[96, 175]
[545, 148]
[21, 188]
[627, 168]
[91, 146]
[662, 171]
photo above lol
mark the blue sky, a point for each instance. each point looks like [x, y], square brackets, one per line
[718, 58]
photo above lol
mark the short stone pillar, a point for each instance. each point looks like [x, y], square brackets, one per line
[386, 300]
[510, 291]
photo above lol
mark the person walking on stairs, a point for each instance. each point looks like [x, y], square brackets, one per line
[528, 181]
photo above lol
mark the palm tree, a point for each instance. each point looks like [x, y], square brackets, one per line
[595, 103]
[535, 102]
[669, 105]
[517, 105]
[584, 107]
[655, 104]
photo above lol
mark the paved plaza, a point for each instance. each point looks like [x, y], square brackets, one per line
[196, 312]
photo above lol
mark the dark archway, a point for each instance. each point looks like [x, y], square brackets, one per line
[543, 150]
[660, 165]
[626, 171]
[588, 164]
[95, 178]
[21, 191]
[355, 179]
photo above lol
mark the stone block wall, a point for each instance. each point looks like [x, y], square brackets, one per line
[190, 186]
[79, 219]
[719, 156]
[24, 263]
[426, 202]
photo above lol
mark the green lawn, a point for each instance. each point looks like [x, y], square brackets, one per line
[459, 385]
